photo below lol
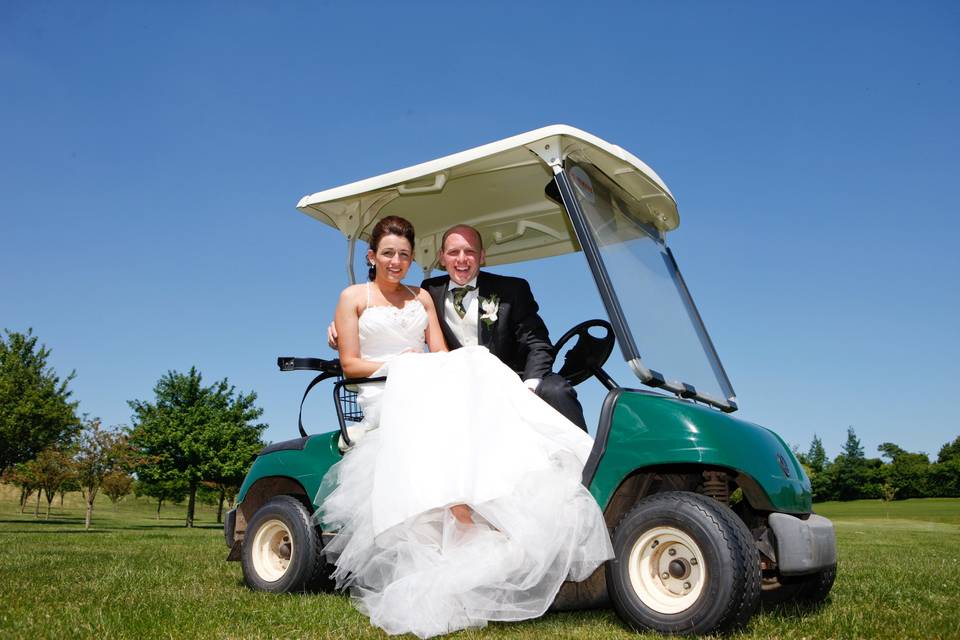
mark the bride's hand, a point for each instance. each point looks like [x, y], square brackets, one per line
[332, 336]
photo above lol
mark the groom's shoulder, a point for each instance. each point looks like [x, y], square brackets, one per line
[435, 281]
[497, 281]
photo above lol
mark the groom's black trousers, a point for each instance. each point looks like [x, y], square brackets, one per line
[560, 394]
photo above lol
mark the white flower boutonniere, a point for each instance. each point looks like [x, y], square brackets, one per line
[489, 308]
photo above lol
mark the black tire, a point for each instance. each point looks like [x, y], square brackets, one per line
[809, 591]
[282, 549]
[711, 564]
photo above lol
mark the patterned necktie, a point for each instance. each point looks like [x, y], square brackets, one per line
[459, 293]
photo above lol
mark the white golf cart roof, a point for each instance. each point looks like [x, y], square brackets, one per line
[497, 188]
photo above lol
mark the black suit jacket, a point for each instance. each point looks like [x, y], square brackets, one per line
[518, 337]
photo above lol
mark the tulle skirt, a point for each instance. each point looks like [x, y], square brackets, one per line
[460, 428]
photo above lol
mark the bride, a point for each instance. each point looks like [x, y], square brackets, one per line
[462, 503]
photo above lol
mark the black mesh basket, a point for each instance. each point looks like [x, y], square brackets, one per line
[346, 397]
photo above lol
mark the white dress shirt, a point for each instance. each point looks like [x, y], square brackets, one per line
[467, 328]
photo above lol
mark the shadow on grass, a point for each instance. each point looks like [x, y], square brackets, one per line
[792, 609]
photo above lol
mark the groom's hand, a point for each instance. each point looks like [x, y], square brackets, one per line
[332, 336]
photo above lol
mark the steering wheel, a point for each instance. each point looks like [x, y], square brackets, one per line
[588, 354]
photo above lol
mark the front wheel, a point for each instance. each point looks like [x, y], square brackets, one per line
[282, 550]
[684, 563]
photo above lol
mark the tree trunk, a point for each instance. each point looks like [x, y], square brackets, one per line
[36, 512]
[191, 504]
[91, 495]
[61, 498]
[49, 500]
[24, 496]
[223, 496]
[159, 504]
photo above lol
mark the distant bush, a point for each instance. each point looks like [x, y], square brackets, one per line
[852, 476]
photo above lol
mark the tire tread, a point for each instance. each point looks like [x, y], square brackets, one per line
[746, 584]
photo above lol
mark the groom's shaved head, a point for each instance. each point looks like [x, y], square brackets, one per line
[461, 253]
[464, 230]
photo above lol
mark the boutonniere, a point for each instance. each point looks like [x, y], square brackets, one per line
[489, 308]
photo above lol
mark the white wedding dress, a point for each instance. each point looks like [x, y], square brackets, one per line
[447, 429]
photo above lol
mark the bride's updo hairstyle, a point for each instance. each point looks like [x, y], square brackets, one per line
[390, 226]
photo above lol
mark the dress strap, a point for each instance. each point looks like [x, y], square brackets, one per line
[414, 293]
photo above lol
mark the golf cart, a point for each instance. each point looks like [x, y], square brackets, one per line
[706, 512]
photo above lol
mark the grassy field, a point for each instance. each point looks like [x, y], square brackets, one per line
[132, 576]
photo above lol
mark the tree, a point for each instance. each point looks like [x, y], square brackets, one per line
[852, 476]
[816, 456]
[852, 449]
[161, 482]
[203, 432]
[908, 474]
[35, 406]
[117, 485]
[69, 485]
[950, 451]
[890, 450]
[99, 453]
[23, 476]
[945, 479]
[234, 447]
[53, 468]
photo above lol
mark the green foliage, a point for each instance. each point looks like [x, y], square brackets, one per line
[906, 475]
[817, 455]
[944, 479]
[117, 485]
[35, 406]
[53, 468]
[100, 452]
[192, 433]
[23, 475]
[852, 449]
[950, 451]
[161, 483]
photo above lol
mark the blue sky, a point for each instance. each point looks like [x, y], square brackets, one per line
[151, 155]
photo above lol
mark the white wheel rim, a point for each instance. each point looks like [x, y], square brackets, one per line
[272, 550]
[667, 571]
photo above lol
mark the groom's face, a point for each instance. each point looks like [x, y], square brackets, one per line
[462, 255]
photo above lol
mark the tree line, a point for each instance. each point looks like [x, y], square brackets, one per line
[189, 439]
[896, 475]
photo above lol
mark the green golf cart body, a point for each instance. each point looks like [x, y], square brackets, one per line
[708, 514]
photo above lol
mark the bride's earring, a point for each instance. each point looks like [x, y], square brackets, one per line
[373, 270]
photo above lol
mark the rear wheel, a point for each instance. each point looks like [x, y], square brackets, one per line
[282, 549]
[684, 564]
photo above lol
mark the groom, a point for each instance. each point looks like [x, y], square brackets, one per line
[497, 312]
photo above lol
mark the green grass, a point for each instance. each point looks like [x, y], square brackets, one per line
[132, 576]
[945, 510]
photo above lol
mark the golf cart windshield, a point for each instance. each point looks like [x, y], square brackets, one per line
[645, 288]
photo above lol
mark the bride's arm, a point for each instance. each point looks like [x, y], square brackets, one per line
[433, 334]
[346, 319]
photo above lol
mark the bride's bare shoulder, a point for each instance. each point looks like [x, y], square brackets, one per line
[353, 293]
[422, 295]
